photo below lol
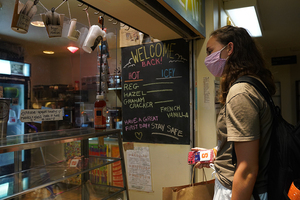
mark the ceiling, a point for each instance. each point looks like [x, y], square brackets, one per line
[280, 24]
[279, 19]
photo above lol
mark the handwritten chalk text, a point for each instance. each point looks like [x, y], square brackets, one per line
[138, 103]
[153, 51]
[168, 73]
[134, 94]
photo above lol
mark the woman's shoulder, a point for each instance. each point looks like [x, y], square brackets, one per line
[243, 89]
[239, 88]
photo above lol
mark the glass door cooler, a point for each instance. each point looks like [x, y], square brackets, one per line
[14, 84]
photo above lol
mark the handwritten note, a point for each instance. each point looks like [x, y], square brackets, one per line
[139, 169]
[32, 115]
[155, 92]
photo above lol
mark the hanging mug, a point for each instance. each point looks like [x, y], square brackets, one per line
[22, 15]
[73, 34]
[93, 38]
[53, 22]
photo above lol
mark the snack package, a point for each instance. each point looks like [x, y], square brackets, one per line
[202, 156]
[191, 157]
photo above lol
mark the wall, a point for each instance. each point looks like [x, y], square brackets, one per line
[168, 168]
[205, 133]
[295, 76]
[287, 75]
[40, 70]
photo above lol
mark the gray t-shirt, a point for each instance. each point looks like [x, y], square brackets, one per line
[246, 116]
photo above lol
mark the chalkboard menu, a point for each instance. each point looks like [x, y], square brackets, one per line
[155, 93]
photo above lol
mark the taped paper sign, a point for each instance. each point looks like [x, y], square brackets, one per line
[139, 169]
[33, 115]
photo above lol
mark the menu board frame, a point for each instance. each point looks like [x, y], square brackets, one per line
[156, 96]
[191, 13]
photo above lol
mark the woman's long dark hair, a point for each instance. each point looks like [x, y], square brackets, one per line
[245, 59]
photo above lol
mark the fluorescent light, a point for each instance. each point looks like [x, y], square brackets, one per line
[244, 13]
[246, 17]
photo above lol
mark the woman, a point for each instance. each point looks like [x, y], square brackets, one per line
[244, 122]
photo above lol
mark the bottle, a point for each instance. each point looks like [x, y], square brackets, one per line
[76, 85]
[100, 112]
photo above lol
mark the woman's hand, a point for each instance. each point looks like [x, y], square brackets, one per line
[198, 149]
[199, 164]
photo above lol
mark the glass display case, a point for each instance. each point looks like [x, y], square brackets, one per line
[80, 163]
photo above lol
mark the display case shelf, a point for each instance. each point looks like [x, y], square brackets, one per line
[60, 172]
[34, 140]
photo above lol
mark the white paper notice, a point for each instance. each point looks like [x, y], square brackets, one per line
[33, 115]
[139, 169]
[206, 89]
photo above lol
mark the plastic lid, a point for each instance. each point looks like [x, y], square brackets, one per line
[100, 97]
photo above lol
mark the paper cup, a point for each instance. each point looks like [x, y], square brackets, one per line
[54, 25]
[20, 22]
[73, 34]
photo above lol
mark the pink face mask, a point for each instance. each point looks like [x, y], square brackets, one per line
[215, 64]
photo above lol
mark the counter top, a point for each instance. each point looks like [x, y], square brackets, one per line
[35, 140]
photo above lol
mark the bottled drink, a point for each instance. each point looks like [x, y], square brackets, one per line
[76, 85]
[100, 112]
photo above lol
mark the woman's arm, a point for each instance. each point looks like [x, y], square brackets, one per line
[246, 170]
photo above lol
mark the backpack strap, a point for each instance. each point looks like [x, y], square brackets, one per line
[265, 93]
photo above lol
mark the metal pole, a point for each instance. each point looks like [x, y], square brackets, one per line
[85, 176]
[123, 164]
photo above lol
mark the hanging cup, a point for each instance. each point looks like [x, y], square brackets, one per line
[73, 34]
[53, 23]
[93, 38]
[22, 16]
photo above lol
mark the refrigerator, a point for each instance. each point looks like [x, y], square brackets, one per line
[14, 84]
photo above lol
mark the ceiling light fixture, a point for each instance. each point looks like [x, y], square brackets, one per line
[244, 13]
[48, 52]
[37, 23]
[72, 49]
